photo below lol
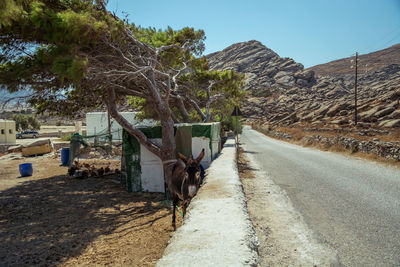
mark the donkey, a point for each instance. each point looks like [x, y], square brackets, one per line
[185, 181]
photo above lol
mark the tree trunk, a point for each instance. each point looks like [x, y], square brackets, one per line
[168, 148]
[183, 110]
[127, 126]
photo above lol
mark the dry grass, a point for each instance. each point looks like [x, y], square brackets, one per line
[245, 172]
[299, 132]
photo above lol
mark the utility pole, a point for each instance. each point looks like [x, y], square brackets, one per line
[355, 91]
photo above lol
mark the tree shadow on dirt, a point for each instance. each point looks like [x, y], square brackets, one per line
[45, 222]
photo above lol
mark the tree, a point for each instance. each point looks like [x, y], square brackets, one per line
[25, 122]
[21, 122]
[34, 123]
[75, 55]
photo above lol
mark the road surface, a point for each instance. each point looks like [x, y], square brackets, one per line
[351, 205]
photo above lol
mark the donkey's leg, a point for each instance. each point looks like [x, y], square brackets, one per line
[174, 203]
[184, 206]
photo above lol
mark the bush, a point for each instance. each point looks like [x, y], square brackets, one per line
[66, 137]
[25, 122]
[233, 124]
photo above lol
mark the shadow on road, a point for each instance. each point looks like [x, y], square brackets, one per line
[250, 152]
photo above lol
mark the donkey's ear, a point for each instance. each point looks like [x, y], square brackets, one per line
[182, 157]
[200, 157]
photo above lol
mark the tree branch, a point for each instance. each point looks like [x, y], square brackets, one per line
[127, 126]
[210, 99]
[195, 106]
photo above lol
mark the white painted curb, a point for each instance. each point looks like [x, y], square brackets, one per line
[217, 230]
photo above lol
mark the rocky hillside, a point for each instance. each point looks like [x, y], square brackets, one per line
[368, 62]
[264, 70]
[282, 92]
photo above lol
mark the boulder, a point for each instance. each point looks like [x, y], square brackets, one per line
[307, 75]
[384, 112]
[286, 81]
[390, 123]
[281, 74]
[369, 113]
[302, 83]
[336, 109]
[395, 114]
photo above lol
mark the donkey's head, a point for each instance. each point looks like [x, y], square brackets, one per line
[192, 175]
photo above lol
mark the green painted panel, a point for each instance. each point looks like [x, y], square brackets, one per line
[201, 130]
[183, 139]
[152, 132]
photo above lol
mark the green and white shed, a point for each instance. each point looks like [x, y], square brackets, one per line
[144, 170]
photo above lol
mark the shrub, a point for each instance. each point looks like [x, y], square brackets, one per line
[25, 122]
[66, 137]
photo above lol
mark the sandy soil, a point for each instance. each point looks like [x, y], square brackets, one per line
[51, 219]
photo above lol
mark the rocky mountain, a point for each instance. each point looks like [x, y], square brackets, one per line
[264, 70]
[281, 91]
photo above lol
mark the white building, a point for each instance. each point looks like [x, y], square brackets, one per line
[97, 123]
[7, 132]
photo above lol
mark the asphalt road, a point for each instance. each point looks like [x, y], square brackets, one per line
[351, 205]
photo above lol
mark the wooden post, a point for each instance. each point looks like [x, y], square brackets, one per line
[237, 132]
[109, 128]
[355, 91]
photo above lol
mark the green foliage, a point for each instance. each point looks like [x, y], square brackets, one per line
[194, 40]
[236, 120]
[9, 11]
[66, 137]
[46, 48]
[227, 84]
[34, 123]
[68, 67]
[26, 122]
[145, 109]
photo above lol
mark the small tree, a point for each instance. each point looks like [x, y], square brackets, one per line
[26, 122]
[21, 122]
[34, 123]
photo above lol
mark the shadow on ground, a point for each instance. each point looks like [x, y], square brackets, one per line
[250, 152]
[45, 222]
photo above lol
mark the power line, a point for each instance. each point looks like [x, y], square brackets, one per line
[376, 47]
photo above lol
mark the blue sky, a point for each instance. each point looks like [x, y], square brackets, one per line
[309, 31]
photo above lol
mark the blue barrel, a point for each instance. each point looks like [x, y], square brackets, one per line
[64, 156]
[25, 169]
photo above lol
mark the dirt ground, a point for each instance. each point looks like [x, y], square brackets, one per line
[52, 219]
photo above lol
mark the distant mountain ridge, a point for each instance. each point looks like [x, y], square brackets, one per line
[282, 92]
[366, 62]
